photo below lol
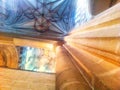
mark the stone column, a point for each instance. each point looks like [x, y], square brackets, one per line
[67, 76]
[95, 46]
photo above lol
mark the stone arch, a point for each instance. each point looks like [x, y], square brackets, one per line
[8, 56]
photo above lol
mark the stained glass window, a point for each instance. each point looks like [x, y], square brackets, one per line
[34, 59]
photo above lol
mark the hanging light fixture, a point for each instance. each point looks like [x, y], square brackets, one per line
[42, 24]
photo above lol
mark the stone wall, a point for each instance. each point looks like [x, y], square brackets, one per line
[24, 80]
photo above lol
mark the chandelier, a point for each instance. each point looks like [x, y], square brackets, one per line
[42, 24]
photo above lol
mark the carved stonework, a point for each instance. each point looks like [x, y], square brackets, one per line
[8, 56]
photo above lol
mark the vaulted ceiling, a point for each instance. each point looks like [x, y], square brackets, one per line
[41, 18]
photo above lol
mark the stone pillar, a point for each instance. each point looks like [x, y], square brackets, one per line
[101, 33]
[95, 46]
[67, 76]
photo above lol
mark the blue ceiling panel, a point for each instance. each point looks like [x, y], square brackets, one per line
[58, 16]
